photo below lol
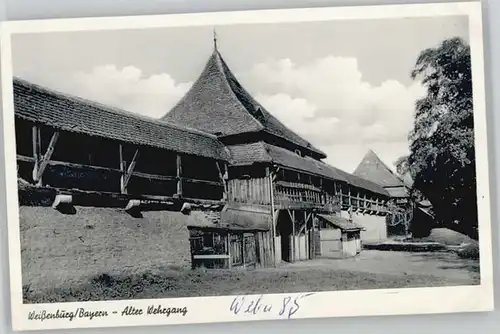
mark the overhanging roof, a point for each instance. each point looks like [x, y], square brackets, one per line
[247, 154]
[398, 192]
[341, 223]
[246, 219]
[70, 113]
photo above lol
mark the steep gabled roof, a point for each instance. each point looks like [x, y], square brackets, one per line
[247, 154]
[374, 169]
[217, 103]
[70, 113]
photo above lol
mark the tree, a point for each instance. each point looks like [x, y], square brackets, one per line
[442, 157]
[402, 166]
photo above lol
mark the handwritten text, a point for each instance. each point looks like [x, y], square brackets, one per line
[249, 305]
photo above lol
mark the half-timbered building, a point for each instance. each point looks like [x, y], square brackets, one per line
[401, 206]
[247, 190]
[274, 173]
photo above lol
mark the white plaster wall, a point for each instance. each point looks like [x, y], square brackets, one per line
[349, 248]
[375, 226]
[331, 245]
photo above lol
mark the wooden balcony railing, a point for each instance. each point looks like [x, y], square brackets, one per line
[288, 195]
[362, 204]
[299, 195]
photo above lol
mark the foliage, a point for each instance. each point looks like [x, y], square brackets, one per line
[402, 166]
[442, 157]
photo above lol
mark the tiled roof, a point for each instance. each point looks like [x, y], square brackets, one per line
[374, 169]
[247, 154]
[362, 183]
[69, 113]
[246, 218]
[398, 192]
[342, 223]
[217, 103]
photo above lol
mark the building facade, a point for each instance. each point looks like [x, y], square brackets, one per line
[239, 187]
[401, 207]
[274, 171]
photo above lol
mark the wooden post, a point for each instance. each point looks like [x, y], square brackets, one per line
[223, 178]
[37, 151]
[243, 249]
[308, 237]
[321, 197]
[274, 215]
[126, 173]
[44, 160]
[228, 245]
[291, 213]
[179, 175]
[313, 241]
[41, 161]
[46, 157]
[123, 169]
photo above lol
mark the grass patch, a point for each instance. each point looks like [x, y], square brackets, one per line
[446, 237]
[197, 283]
[469, 251]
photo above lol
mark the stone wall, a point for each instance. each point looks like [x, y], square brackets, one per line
[59, 249]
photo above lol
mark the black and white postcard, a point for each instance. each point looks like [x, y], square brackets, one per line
[241, 166]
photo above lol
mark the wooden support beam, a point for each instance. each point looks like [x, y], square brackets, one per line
[37, 151]
[111, 170]
[228, 250]
[123, 168]
[41, 161]
[313, 239]
[127, 174]
[48, 154]
[179, 175]
[243, 250]
[307, 216]
[223, 178]
[294, 246]
[274, 212]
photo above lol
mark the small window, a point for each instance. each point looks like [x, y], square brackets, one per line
[298, 152]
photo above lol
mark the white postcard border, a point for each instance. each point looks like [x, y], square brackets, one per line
[217, 309]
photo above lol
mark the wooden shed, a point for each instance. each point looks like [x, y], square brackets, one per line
[340, 237]
[237, 238]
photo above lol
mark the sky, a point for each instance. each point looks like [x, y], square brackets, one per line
[345, 86]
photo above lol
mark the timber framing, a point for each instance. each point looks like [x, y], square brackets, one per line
[126, 171]
[41, 160]
[75, 152]
[46, 160]
[44, 196]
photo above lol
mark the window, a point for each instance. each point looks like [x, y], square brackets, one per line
[298, 152]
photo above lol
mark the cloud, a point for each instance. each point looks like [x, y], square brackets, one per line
[328, 102]
[325, 100]
[128, 88]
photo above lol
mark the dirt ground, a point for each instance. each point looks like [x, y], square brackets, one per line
[370, 270]
[445, 265]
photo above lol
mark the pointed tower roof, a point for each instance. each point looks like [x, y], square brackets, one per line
[375, 170]
[218, 104]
